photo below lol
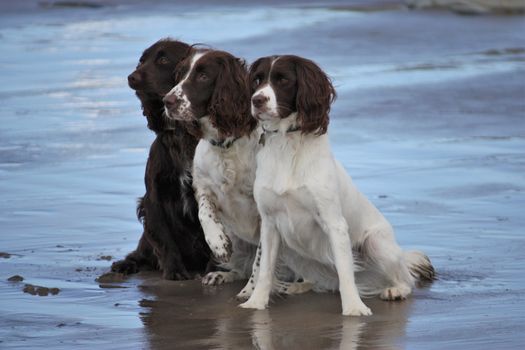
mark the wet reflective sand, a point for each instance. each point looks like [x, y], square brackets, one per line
[429, 122]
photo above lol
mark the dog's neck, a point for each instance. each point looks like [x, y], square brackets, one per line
[212, 135]
[153, 110]
[281, 126]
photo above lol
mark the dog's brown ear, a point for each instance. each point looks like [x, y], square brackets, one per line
[315, 94]
[229, 108]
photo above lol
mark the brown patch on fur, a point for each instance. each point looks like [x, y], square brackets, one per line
[229, 107]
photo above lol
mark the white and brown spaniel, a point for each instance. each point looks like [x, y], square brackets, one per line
[213, 96]
[308, 203]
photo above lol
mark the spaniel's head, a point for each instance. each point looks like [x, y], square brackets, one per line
[212, 84]
[154, 77]
[282, 85]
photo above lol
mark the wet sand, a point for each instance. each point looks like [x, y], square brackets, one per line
[430, 123]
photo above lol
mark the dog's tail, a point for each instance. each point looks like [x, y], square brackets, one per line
[419, 266]
[415, 268]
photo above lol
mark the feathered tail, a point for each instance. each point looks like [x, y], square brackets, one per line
[419, 266]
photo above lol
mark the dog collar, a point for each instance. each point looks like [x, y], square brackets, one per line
[262, 139]
[292, 128]
[224, 144]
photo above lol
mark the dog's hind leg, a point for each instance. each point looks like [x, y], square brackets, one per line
[278, 287]
[384, 255]
[336, 228]
[291, 288]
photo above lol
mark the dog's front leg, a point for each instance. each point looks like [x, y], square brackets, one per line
[270, 242]
[279, 287]
[335, 226]
[247, 291]
[219, 243]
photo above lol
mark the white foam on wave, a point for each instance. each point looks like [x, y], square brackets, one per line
[385, 75]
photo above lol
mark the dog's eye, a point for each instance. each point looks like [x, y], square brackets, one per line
[282, 80]
[163, 60]
[257, 80]
[202, 77]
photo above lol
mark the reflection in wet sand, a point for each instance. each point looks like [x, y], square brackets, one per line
[193, 317]
[305, 331]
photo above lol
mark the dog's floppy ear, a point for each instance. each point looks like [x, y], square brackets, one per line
[229, 108]
[315, 94]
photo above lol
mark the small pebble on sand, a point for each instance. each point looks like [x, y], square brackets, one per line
[111, 277]
[15, 278]
[40, 291]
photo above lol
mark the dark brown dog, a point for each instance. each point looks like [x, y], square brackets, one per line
[173, 240]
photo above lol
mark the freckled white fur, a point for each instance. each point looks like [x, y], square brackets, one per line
[223, 181]
[309, 205]
[228, 175]
[184, 109]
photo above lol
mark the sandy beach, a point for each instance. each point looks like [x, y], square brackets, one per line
[429, 122]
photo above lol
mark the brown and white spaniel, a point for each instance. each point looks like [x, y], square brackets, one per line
[213, 96]
[308, 203]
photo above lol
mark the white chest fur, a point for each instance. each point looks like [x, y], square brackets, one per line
[288, 168]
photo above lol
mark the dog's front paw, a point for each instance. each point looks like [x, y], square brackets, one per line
[175, 275]
[126, 267]
[254, 304]
[215, 278]
[357, 308]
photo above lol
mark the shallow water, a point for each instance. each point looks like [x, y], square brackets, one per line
[429, 122]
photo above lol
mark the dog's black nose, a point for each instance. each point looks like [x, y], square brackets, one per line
[259, 100]
[134, 79]
[169, 100]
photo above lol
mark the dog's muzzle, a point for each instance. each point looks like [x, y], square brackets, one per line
[177, 107]
[171, 102]
[259, 105]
